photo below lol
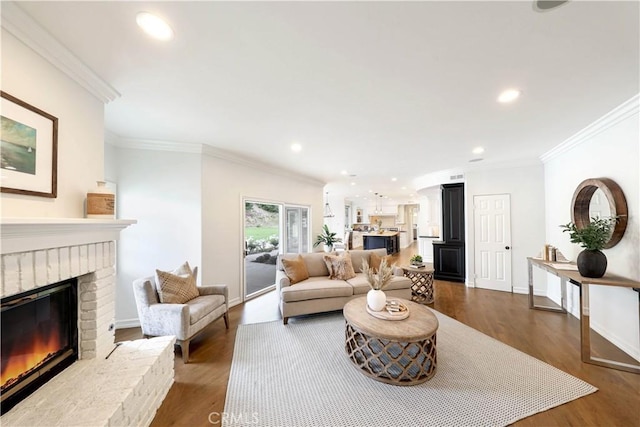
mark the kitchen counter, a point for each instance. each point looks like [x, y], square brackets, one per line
[383, 234]
[387, 240]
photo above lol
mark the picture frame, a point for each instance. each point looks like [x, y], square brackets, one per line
[28, 149]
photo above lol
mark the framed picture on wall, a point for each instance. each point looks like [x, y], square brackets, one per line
[28, 148]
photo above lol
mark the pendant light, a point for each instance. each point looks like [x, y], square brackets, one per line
[327, 209]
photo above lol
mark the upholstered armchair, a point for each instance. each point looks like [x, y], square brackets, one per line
[182, 320]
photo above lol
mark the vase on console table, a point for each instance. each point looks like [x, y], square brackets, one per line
[592, 263]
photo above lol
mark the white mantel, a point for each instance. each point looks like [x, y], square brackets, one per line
[31, 234]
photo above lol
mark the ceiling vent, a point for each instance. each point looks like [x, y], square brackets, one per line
[454, 177]
[546, 5]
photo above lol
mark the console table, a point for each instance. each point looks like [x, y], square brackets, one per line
[567, 272]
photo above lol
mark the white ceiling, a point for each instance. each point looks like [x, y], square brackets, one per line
[379, 89]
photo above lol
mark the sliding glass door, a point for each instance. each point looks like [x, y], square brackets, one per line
[297, 229]
[266, 224]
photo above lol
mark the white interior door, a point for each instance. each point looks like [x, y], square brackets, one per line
[492, 220]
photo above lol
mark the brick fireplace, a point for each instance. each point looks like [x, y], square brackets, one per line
[39, 252]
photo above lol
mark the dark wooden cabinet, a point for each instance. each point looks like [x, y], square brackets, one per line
[448, 261]
[448, 254]
[453, 213]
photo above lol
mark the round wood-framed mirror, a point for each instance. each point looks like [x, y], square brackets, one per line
[582, 201]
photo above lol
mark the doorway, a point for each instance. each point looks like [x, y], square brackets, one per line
[492, 232]
[270, 228]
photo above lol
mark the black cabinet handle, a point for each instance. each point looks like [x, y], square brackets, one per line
[507, 247]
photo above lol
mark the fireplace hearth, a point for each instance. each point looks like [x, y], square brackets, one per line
[39, 338]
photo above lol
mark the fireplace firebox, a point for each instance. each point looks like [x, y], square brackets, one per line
[39, 338]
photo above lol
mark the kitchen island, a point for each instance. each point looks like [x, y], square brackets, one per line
[386, 239]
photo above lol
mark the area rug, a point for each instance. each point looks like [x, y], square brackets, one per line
[299, 375]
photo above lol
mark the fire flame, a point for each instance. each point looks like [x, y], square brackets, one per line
[26, 358]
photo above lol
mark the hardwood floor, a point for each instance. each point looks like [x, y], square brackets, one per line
[198, 394]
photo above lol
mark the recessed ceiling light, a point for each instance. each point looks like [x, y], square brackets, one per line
[410, 195]
[343, 172]
[403, 188]
[353, 183]
[508, 95]
[478, 150]
[296, 148]
[394, 179]
[357, 195]
[154, 26]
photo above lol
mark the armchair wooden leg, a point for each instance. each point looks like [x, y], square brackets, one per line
[285, 320]
[184, 345]
[226, 319]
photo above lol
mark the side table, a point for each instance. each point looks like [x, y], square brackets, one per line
[421, 283]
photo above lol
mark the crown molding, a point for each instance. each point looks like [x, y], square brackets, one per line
[256, 164]
[207, 150]
[28, 31]
[152, 144]
[612, 118]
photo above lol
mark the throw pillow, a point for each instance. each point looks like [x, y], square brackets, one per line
[375, 260]
[177, 286]
[295, 269]
[340, 266]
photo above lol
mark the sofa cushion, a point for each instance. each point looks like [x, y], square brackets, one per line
[314, 262]
[361, 285]
[315, 288]
[339, 266]
[203, 305]
[375, 260]
[174, 288]
[295, 269]
[357, 255]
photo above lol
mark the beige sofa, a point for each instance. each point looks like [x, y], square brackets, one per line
[318, 293]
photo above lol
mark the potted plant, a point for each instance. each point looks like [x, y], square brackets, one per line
[378, 279]
[328, 238]
[416, 260]
[591, 261]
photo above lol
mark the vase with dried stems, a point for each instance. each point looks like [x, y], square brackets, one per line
[378, 279]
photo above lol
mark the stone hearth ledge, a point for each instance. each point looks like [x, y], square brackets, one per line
[31, 234]
[124, 390]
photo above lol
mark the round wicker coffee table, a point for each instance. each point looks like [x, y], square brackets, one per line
[400, 352]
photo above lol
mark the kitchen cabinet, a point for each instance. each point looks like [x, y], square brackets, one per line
[387, 240]
[400, 219]
[448, 254]
[356, 239]
[425, 247]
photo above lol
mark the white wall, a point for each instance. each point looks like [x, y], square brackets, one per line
[162, 191]
[613, 153]
[29, 77]
[225, 183]
[525, 185]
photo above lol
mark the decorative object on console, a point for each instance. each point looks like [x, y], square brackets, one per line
[328, 238]
[29, 149]
[101, 202]
[593, 237]
[376, 298]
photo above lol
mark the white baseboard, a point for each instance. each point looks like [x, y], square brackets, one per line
[525, 290]
[616, 340]
[234, 302]
[128, 323]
